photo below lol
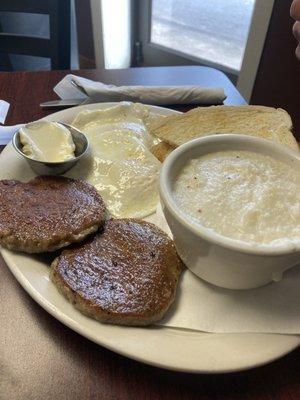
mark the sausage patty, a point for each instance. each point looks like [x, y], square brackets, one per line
[125, 275]
[48, 213]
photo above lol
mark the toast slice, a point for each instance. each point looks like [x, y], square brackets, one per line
[161, 150]
[265, 122]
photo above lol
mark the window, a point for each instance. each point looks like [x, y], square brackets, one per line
[210, 30]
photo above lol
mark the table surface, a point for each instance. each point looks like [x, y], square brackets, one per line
[42, 359]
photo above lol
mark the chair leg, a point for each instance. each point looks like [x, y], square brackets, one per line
[5, 63]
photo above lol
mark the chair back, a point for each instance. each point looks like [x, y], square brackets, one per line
[56, 47]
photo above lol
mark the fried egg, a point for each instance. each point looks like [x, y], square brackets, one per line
[126, 117]
[120, 164]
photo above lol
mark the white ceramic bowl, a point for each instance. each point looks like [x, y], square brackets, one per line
[217, 259]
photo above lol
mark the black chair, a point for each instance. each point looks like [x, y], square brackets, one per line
[56, 48]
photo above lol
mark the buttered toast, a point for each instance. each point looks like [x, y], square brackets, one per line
[265, 122]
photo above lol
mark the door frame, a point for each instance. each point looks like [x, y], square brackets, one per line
[255, 43]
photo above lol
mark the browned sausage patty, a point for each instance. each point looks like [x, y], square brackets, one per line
[48, 213]
[125, 275]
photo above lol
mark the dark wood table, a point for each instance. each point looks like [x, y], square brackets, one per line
[42, 359]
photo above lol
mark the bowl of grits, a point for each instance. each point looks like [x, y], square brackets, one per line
[232, 203]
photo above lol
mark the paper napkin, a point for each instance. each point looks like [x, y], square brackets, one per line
[274, 308]
[160, 95]
[4, 107]
[7, 132]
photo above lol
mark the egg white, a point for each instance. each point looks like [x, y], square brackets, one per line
[119, 164]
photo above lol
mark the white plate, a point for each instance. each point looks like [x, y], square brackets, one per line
[175, 349]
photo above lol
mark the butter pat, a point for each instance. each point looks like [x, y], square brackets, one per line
[47, 141]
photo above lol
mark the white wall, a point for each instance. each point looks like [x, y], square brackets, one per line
[111, 28]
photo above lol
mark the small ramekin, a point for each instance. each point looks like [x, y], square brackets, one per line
[217, 259]
[60, 167]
